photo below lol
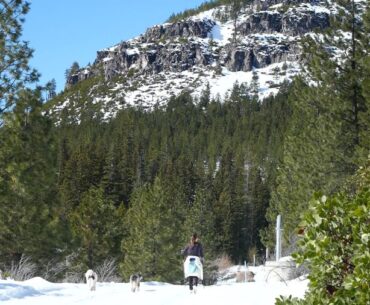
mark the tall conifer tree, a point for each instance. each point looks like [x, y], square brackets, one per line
[27, 179]
[329, 132]
[15, 54]
[153, 243]
[94, 223]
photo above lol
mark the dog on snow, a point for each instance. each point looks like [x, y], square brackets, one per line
[91, 279]
[135, 280]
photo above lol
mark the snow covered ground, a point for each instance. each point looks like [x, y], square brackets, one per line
[263, 291]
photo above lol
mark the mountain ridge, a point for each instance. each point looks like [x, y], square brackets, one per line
[197, 52]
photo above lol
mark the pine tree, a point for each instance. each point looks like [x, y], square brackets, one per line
[153, 242]
[121, 161]
[14, 53]
[235, 11]
[72, 70]
[344, 76]
[229, 207]
[276, 76]
[365, 87]
[309, 148]
[94, 223]
[200, 217]
[257, 199]
[329, 131]
[27, 180]
[254, 85]
[205, 97]
[83, 169]
[50, 89]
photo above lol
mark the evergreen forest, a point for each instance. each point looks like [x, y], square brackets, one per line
[74, 195]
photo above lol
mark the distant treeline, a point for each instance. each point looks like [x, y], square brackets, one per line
[207, 5]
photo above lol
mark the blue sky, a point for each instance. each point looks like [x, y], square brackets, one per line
[64, 31]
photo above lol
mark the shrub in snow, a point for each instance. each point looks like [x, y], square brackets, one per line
[210, 273]
[74, 276]
[22, 270]
[53, 270]
[107, 271]
[224, 262]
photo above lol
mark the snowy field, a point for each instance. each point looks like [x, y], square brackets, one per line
[37, 291]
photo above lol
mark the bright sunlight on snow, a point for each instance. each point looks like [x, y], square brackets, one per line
[263, 291]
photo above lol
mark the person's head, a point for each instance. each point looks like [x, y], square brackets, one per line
[194, 238]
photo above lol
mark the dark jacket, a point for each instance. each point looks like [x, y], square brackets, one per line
[194, 250]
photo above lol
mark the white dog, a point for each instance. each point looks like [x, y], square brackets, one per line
[91, 279]
[135, 280]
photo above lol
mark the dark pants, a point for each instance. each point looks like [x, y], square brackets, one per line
[193, 281]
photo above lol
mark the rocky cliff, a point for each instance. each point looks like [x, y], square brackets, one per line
[207, 48]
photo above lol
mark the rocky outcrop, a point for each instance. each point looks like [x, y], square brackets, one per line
[259, 56]
[197, 54]
[299, 23]
[79, 76]
[265, 37]
[241, 59]
[292, 22]
[153, 59]
[263, 22]
[187, 28]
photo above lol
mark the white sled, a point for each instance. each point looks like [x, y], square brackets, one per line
[193, 267]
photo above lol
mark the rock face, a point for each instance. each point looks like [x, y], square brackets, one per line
[155, 59]
[247, 58]
[206, 48]
[262, 22]
[188, 28]
[80, 76]
[176, 47]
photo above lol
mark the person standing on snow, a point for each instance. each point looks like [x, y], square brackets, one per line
[193, 265]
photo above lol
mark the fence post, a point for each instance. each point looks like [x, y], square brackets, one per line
[278, 238]
[245, 271]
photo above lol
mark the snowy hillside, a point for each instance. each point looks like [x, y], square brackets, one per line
[40, 292]
[193, 53]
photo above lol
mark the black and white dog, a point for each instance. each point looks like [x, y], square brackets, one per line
[91, 279]
[135, 281]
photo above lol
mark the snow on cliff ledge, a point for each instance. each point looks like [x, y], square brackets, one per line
[148, 70]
